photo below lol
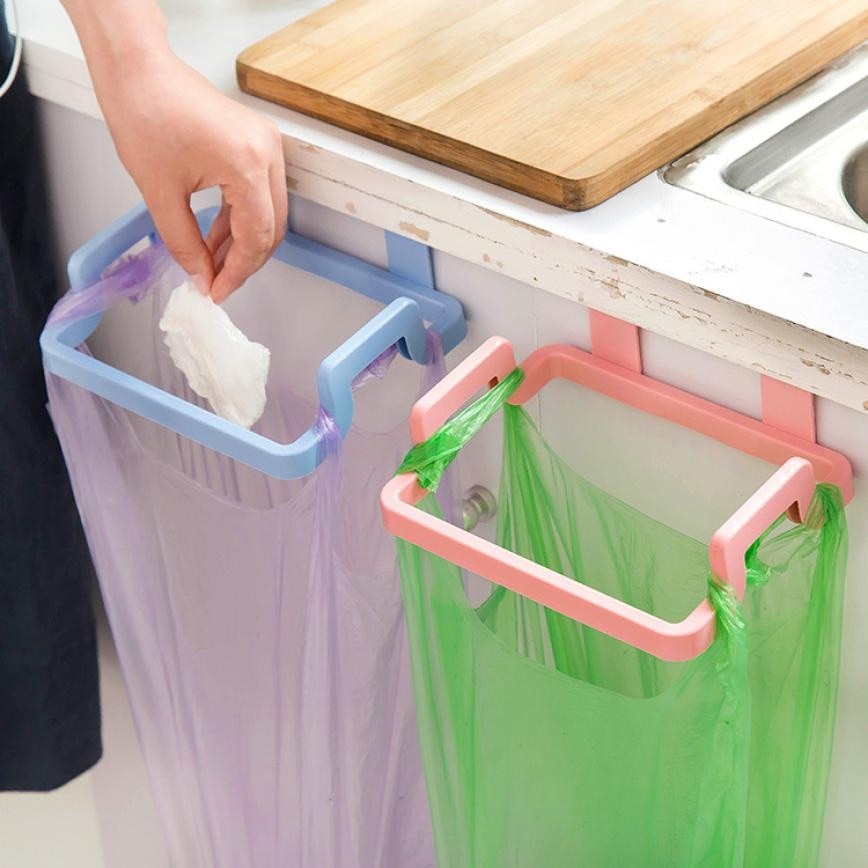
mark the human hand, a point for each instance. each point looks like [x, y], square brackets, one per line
[176, 134]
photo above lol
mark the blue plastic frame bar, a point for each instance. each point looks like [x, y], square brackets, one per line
[407, 289]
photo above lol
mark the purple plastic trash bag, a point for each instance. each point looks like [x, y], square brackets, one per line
[258, 621]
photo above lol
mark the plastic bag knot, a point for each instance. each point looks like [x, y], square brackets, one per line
[429, 459]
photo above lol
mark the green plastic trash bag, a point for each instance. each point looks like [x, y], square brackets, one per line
[547, 744]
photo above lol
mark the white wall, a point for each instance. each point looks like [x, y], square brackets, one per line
[672, 474]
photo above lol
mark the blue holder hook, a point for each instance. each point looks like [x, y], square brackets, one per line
[407, 289]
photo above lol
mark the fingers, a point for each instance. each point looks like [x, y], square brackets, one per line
[220, 254]
[251, 220]
[279, 196]
[219, 231]
[256, 208]
[180, 232]
[247, 229]
[256, 213]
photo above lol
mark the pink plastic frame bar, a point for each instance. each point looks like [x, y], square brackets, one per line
[801, 465]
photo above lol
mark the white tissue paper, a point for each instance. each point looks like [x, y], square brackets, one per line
[219, 362]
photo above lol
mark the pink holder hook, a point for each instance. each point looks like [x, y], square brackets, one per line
[802, 463]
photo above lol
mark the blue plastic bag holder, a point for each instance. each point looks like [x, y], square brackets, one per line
[407, 289]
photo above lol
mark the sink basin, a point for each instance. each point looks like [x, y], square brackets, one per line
[856, 182]
[802, 160]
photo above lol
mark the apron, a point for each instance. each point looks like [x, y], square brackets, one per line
[49, 688]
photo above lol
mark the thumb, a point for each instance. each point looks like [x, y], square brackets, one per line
[179, 230]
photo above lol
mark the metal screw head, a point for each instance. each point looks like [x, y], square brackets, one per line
[478, 504]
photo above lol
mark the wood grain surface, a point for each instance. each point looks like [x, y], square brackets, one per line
[568, 101]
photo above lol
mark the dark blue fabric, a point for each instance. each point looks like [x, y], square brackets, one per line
[49, 690]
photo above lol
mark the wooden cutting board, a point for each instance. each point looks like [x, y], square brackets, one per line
[568, 101]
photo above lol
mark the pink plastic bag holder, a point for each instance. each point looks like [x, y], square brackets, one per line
[780, 439]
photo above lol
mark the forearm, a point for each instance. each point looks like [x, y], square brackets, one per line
[176, 134]
[118, 35]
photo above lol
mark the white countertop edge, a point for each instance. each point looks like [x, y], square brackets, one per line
[741, 287]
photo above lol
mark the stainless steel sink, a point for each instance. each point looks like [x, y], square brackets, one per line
[856, 182]
[802, 160]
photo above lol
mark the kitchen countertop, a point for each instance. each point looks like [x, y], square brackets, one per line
[767, 296]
